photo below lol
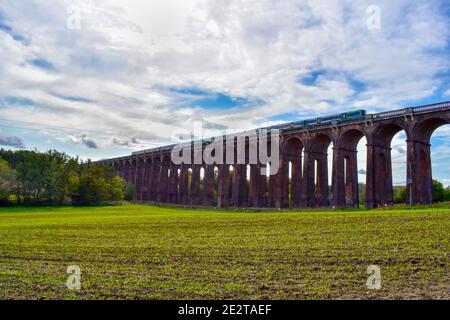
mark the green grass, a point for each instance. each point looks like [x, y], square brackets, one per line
[144, 252]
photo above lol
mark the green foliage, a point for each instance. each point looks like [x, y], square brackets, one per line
[7, 181]
[116, 189]
[130, 192]
[362, 193]
[94, 189]
[54, 178]
[440, 193]
[400, 194]
[67, 182]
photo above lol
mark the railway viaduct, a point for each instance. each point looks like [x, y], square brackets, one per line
[302, 178]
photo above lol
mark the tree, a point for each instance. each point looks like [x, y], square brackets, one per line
[98, 184]
[30, 176]
[93, 187]
[67, 182]
[447, 194]
[439, 192]
[117, 189]
[41, 177]
[7, 181]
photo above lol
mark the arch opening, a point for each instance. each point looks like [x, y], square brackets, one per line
[430, 174]
[386, 166]
[292, 175]
[178, 174]
[345, 183]
[189, 182]
[215, 185]
[316, 169]
[399, 169]
[267, 193]
[316, 178]
[230, 183]
[202, 180]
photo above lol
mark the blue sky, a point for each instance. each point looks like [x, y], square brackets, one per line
[104, 78]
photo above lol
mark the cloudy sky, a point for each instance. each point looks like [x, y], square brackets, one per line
[104, 78]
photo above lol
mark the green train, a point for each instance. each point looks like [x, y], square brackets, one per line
[341, 117]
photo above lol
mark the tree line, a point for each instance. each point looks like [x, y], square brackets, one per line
[440, 193]
[55, 178]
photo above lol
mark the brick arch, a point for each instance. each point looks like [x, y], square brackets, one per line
[292, 143]
[292, 159]
[419, 164]
[127, 168]
[379, 187]
[345, 169]
[320, 142]
[350, 138]
[143, 185]
[316, 155]
[423, 130]
[208, 185]
[215, 171]
[120, 168]
[151, 179]
[173, 183]
[183, 184]
[139, 177]
[133, 169]
[383, 134]
[195, 185]
[163, 163]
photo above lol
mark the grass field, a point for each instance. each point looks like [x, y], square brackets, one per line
[144, 252]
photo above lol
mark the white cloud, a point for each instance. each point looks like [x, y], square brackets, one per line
[83, 139]
[129, 52]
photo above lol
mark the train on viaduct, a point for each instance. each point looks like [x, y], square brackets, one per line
[302, 178]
